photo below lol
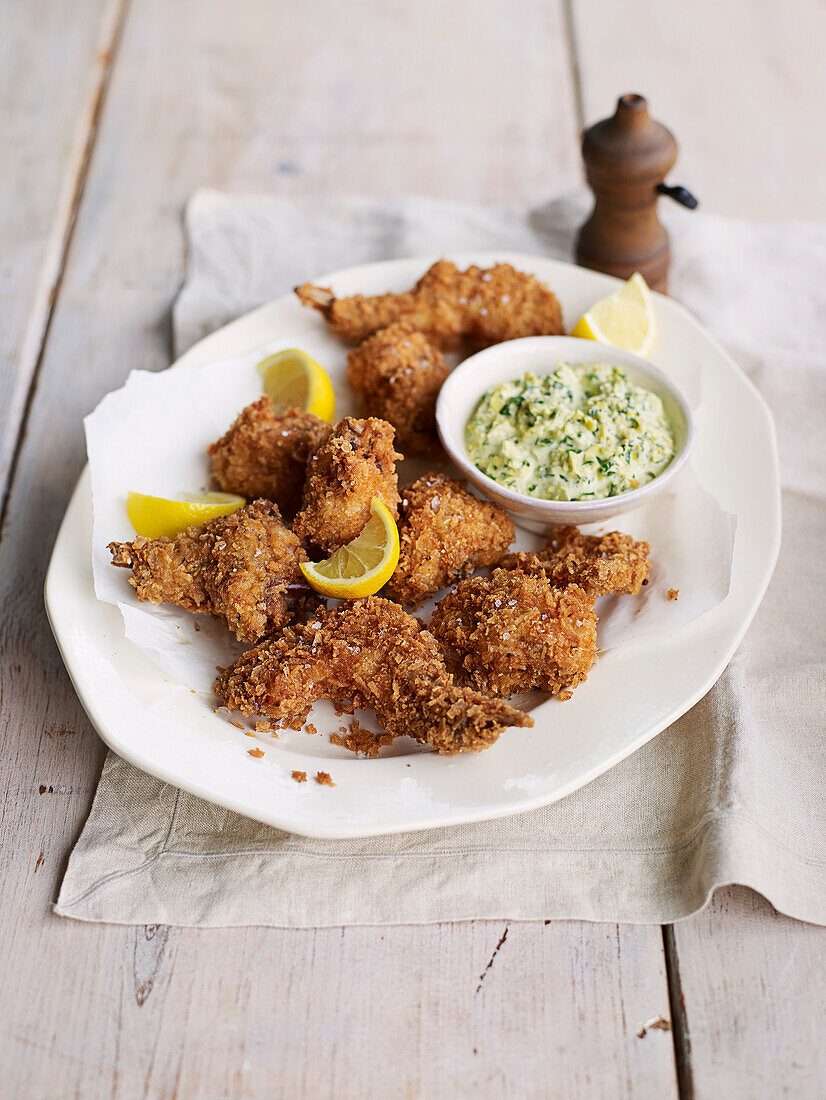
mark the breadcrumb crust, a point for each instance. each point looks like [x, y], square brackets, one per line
[479, 306]
[445, 532]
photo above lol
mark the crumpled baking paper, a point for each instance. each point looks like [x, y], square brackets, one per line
[151, 436]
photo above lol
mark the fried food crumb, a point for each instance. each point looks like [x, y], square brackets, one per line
[300, 777]
[263, 727]
[310, 728]
[480, 306]
[237, 567]
[360, 740]
[564, 696]
[324, 779]
[658, 1023]
[672, 594]
[238, 725]
[398, 375]
[445, 532]
[514, 632]
[257, 753]
[600, 564]
[356, 463]
[264, 454]
[369, 653]
[247, 733]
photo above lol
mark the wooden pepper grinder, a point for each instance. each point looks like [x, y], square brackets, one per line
[627, 158]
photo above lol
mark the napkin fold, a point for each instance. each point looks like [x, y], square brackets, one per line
[731, 793]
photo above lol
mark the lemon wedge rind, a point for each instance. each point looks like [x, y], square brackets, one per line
[364, 565]
[292, 379]
[624, 319]
[157, 517]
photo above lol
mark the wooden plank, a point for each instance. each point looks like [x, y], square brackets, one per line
[269, 100]
[752, 985]
[741, 88]
[482, 1009]
[740, 82]
[54, 59]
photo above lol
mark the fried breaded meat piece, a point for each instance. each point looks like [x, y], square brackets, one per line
[265, 455]
[444, 533]
[356, 463]
[366, 653]
[598, 563]
[236, 567]
[513, 632]
[482, 306]
[398, 374]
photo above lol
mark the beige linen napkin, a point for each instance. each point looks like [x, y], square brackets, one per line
[732, 793]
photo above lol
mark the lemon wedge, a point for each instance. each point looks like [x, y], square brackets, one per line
[153, 517]
[293, 380]
[364, 565]
[625, 319]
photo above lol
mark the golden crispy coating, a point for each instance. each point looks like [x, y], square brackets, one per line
[265, 455]
[513, 632]
[398, 375]
[598, 563]
[449, 306]
[356, 463]
[236, 567]
[366, 653]
[445, 533]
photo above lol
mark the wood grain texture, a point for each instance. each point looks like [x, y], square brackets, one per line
[54, 59]
[751, 983]
[741, 83]
[122, 1011]
[459, 100]
[482, 1009]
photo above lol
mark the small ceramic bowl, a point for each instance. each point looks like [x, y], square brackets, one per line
[541, 354]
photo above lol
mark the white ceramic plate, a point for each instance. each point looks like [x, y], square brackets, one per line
[633, 692]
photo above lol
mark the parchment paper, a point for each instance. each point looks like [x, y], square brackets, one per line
[190, 406]
[731, 793]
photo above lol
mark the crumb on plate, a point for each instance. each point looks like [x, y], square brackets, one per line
[300, 777]
[324, 779]
[672, 594]
[358, 739]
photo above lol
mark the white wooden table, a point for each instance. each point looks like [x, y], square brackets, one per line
[111, 113]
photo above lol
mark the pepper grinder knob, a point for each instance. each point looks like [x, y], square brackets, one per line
[627, 158]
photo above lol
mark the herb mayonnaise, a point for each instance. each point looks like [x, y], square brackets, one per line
[583, 432]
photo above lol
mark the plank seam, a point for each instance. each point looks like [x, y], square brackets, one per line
[573, 61]
[54, 263]
[680, 1035]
